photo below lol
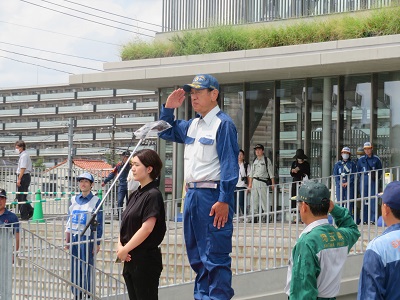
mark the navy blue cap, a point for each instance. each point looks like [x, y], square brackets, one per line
[391, 195]
[201, 82]
[3, 193]
[126, 153]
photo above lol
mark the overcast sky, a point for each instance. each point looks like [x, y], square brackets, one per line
[24, 26]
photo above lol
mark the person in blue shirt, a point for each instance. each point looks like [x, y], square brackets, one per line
[8, 218]
[371, 167]
[83, 249]
[211, 174]
[123, 182]
[344, 172]
[380, 273]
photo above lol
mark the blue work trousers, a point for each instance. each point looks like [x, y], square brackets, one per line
[122, 194]
[208, 247]
[81, 264]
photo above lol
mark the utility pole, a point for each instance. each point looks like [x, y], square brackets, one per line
[70, 150]
[113, 140]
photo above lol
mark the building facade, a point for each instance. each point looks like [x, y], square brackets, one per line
[102, 120]
[319, 97]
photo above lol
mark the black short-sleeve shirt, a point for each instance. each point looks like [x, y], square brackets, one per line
[144, 203]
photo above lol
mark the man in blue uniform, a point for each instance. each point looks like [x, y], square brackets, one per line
[83, 248]
[380, 273]
[123, 182]
[211, 174]
[8, 218]
[344, 172]
[371, 166]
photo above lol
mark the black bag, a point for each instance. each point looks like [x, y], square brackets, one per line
[245, 178]
[267, 181]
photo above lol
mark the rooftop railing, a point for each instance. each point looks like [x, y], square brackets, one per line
[194, 14]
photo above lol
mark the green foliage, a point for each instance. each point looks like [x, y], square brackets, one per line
[39, 164]
[379, 22]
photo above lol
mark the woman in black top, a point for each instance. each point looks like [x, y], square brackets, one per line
[142, 229]
[299, 170]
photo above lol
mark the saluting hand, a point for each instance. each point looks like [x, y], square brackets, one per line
[175, 99]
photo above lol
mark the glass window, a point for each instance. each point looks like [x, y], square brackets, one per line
[291, 94]
[233, 105]
[387, 145]
[323, 96]
[166, 149]
[357, 111]
[260, 101]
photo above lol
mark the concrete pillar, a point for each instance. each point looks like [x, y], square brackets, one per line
[326, 127]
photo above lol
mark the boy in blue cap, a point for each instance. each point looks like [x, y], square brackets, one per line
[211, 174]
[82, 247]
[380, 273]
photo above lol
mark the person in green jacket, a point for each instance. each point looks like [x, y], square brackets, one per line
[315, 268]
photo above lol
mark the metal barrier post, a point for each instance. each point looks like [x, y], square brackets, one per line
[6, 257]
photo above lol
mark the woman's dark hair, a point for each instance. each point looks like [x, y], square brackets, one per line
[241, 151]
[150, 158]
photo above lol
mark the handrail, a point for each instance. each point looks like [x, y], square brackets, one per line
[34, 248]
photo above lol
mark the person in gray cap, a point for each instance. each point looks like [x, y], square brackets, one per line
[317, 260]
[123, 179]
[211, 173]
[261, 176]
[380, 273]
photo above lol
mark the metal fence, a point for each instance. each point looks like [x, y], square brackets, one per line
[56, 186]
[261, 240]
[194, 14]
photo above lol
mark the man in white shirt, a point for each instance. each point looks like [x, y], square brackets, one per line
[211, 173]
[23, 179]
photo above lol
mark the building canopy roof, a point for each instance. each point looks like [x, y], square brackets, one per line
[364, 55]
